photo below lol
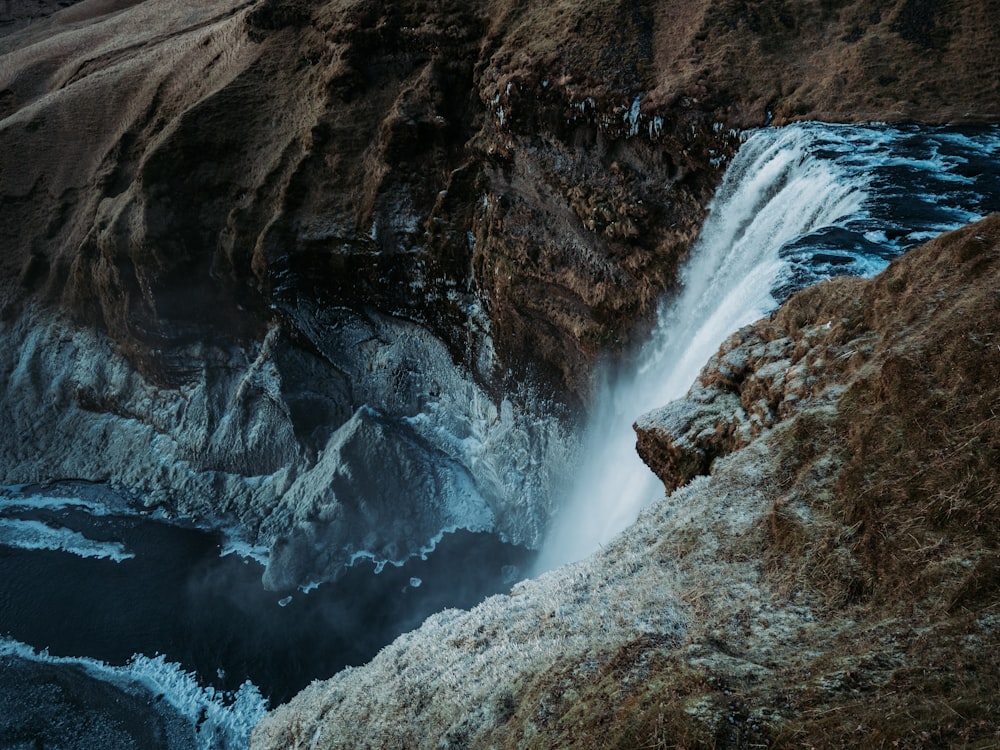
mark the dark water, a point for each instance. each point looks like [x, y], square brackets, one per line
[208, 613]
[921, 181]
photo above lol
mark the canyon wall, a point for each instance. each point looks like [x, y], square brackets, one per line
[241, 240]
[255, 253]
[826, 574]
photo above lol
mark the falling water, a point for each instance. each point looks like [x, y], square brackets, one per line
[793, 207]
[91, 595]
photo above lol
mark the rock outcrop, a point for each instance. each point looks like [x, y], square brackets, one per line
[888, 394]
[832, 581]
[257, 159]
[208, 197]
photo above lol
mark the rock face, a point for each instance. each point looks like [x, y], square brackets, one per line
[254, 253]
[835, 576]
[203, 207]
[259, 159]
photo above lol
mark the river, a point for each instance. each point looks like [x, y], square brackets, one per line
[122, 629]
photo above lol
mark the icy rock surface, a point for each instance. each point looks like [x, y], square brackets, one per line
[761, 598]
[371, 448]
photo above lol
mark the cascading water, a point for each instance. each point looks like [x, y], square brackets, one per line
[795, 206]
[135, 617]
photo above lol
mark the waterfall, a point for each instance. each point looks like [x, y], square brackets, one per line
[774, 193]
[796, 205]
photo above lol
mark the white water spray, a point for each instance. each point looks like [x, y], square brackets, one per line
[773, 193]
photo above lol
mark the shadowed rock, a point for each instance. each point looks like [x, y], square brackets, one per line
[837, 571]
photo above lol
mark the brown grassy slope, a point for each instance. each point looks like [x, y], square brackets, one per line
[831, 60]
[864, 60]
[158, 161]
[16, 14]
[888, 395]
[885, 499]
[916, 436]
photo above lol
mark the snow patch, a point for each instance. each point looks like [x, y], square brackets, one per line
[632, 118]
[235, 546]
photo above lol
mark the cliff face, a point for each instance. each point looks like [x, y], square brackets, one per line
[253, 253]
[261, 160]
[232, 214]
[833, 580]
[550, 162]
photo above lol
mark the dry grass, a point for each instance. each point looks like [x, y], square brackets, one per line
[890, 509]
[917, 497]
[644, 695]
[885, 504]
[893, 685]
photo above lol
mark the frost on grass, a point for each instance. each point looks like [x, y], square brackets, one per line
[464, 675]
[833, 581]
[452, 676]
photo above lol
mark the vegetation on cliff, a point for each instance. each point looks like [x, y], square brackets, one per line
[215, 201]
[884, 400]
[832, 583]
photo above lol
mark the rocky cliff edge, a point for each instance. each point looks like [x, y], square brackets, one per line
[218, 219]
[833, 580]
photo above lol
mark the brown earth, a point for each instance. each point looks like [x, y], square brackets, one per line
[16, 14]
[186, 172]
[889, 397]
[833, 583]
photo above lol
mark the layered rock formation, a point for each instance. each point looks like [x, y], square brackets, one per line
[832, 582]
[256, 252]
[218, 219]
[256, 159]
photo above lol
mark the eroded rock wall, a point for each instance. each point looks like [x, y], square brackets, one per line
[190, 172]
[215, 198]
[832, 580]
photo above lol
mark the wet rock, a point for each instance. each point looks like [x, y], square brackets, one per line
[812, 573]
[348, 505]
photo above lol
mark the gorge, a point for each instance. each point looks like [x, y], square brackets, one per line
[368, 288]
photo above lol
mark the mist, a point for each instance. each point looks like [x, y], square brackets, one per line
[774, 193]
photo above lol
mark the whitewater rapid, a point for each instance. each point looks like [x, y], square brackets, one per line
[797, 204]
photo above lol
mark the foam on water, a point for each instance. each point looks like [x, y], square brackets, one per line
[36, 535]
[234, 545]
[222, 720]
[380, 562]
[12, 499]
[796, 205]
[210, 614]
